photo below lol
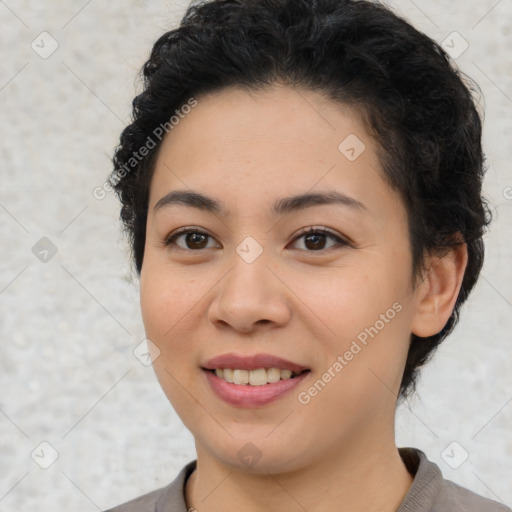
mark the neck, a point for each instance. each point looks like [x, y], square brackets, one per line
[357, 478]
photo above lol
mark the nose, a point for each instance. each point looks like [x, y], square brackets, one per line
[250, 295]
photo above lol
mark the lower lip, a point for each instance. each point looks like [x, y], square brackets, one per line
[245, 395]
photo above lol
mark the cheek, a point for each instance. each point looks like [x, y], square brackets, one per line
[360, 379]
[367, 316]
[154, 306]
[346, 301]
[167, 313]
[168, 308]
[168, 298]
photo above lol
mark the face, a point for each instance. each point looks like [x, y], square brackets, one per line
[248, 279]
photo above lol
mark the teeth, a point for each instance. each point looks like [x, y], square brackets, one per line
[286, 374]
[273, 374]
[240, 376]
[258, 377]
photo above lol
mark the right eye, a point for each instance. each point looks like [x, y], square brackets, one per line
[194, 239]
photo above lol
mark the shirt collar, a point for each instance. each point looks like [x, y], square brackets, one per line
[420, 497]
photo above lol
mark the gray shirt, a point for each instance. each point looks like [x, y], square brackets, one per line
[429, 492]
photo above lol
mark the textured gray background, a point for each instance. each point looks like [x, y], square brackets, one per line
[69, 326]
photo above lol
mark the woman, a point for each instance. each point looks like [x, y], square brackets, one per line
[301, 185]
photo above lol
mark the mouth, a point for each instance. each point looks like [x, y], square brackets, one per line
[252, 362]
[257, 377]
[252, 389]
[254, 380]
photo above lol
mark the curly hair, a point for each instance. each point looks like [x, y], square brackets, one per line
[414, 102]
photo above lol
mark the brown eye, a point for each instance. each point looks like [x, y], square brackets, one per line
[196, 240]
[315, 239]
[193, 239]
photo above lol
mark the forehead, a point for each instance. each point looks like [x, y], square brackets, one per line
[274, 142]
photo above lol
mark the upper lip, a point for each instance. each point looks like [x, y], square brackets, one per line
[251, 362]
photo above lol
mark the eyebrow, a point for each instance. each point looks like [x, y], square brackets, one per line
[281, 206]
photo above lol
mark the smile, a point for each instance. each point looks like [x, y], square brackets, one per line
[250, 395]
[258, 377]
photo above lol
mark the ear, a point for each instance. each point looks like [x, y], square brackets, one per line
[438, 291]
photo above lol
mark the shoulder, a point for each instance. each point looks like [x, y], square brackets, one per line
[456, 498]
[170, 498]
[431, 492]
[144, 503]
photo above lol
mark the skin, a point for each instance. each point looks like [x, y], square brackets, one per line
[297, 301]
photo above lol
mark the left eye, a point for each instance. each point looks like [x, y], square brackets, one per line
[317, 236]
[313, 238]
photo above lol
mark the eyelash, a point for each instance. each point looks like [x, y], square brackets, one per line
[304, 232]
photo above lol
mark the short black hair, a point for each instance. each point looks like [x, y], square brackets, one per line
[413, 100]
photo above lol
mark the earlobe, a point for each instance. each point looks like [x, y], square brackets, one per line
[438, 291]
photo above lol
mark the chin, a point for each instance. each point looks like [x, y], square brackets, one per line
[260, 457]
